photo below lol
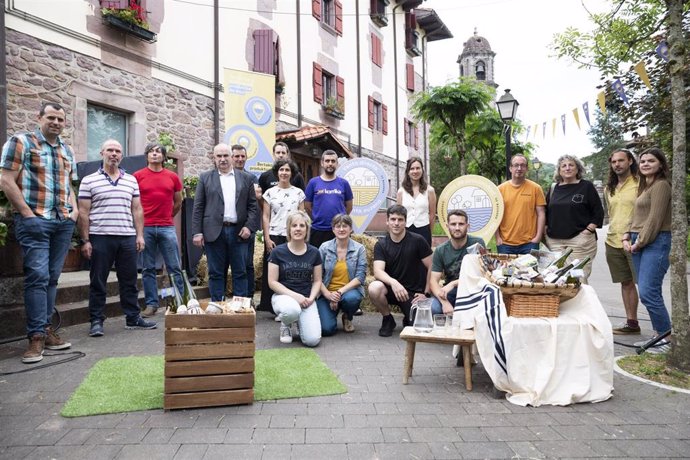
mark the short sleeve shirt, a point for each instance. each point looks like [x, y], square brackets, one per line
[157, 190]
[448, 260]
[328, 198]
[111, 203]
[282, 201]
[404, 260]
[296, 272]
[519, 223]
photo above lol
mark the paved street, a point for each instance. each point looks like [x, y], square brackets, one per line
[431, 417]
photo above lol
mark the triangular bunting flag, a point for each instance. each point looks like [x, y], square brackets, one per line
[663, 51]
[585, 109]
[618, 87]
[642, 72]
[563, 123]
[553, 127]
[543, 131]
[576, 115]
[601, 98]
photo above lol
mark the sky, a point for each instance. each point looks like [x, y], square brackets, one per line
[520, 32]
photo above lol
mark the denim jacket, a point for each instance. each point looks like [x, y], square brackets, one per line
[356, 261]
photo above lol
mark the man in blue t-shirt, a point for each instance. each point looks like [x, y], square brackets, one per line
[326, 196]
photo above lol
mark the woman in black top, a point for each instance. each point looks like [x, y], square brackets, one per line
[573, 212]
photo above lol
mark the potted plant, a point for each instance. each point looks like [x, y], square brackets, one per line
[334, 108]
[131, 20]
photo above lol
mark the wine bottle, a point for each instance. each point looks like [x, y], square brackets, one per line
[188, 293]
[177, 298]
[560, 262]
[553, 277]
[580, 265]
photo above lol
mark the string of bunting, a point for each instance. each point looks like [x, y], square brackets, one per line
[662, 50]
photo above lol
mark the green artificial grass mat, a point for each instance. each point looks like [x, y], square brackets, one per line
[134, 383]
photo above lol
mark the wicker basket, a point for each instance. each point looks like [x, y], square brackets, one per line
[531, 299]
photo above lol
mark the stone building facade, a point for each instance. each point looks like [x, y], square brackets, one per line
[477, 59]
[38, 71]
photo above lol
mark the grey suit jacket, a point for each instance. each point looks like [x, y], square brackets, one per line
[209, 206]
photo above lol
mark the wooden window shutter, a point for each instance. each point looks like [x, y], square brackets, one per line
[410, 77]
[406, 131]
[373, 48]
[318, 83]
[264, 51]
[338, 17]
[371, 112]
[340, 91]
[373, 6]
[316, 9]
[384, 115]
[416, 137]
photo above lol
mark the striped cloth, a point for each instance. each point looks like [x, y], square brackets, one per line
[44, 172]
[111, 202]
[489, 303]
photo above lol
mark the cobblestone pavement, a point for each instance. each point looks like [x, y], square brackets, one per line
[431, 417]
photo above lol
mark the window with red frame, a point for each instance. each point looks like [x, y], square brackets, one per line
[376, 50]
[329, 12]
[378, 116]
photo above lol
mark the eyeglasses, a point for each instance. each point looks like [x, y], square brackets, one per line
[519, 166]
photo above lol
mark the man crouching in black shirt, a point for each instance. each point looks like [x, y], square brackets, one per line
[402, 261]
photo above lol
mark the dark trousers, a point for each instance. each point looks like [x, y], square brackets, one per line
[318, 237]
[424, 231]
[266, 292]
[122, 251]
[251, 279]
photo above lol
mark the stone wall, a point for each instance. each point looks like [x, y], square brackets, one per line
[38, 71]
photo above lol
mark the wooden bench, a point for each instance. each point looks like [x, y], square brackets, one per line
[464, 338]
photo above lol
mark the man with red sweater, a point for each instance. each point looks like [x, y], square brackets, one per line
[161, 198]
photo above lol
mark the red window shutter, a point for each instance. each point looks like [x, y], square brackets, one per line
[371, 112]
[373, 6]
[316, 9]
[338, 17]
[379, 54]
[318, 83]
[373, 48]
[410, 20]
[340, 91]
[384, 115]
[263, 51]
[416, 137]
[406, 131]
[410, 77]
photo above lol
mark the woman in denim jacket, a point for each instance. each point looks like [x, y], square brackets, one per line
[344, 273]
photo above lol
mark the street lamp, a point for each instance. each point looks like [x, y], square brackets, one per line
[507, 108]
[536, 164]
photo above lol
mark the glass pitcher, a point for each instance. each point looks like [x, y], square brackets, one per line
[423, 321]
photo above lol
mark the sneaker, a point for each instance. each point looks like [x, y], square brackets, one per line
[140, 323]
[96, 329]
[277, 319]
[347, 325]
[387, 326]
[34, 353]
[285, 333]
[54, 342]
[359, 312]
[149, 311]
[625, 328]
[659, 349]
[660, 343]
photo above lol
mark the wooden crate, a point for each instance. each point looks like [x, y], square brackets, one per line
[209, 360]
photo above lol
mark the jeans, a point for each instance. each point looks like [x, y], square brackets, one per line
[651, 264]
[290, 311]
[437, 308]
[163, 240]
[44, 243]
[349, 304]
[519, 249]
[229, 250]
[121, 250]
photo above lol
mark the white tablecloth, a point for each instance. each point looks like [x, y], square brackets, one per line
[537, 361]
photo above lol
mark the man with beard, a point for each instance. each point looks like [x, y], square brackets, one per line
[401, 262]
[620, 194]
[326, 196]
[447, 261]
[268, 179]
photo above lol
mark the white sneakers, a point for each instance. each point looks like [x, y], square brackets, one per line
[285, 333]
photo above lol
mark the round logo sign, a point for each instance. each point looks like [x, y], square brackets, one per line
[479, 198]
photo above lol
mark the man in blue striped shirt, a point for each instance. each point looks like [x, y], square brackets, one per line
[112, 230]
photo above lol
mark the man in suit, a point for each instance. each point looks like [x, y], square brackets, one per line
[224, 217]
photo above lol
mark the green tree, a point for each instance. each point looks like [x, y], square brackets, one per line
[606, 134]
[623, 36]
[449, 106]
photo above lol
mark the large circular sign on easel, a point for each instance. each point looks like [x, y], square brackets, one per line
[479, 198]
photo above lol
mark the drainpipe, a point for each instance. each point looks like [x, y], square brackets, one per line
[359, 85]
[397, 108]
[216, 71]
[3, 79]
[426, 148]
[299, 64]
